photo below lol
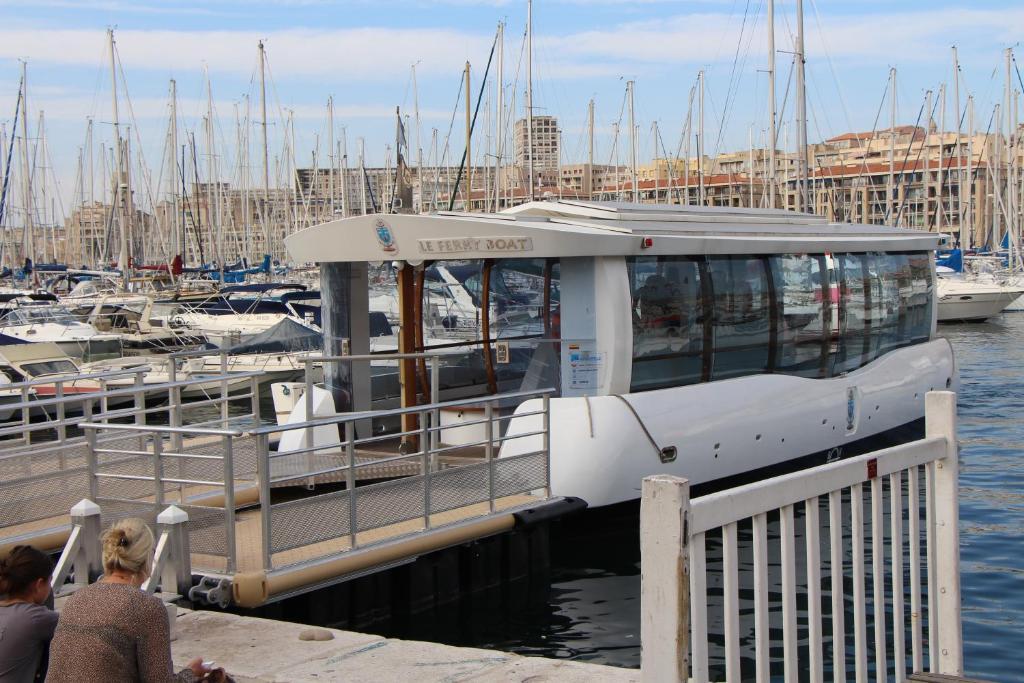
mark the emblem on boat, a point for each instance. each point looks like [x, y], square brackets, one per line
[385, 237]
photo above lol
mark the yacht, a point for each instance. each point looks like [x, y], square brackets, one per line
[36, 321]
[963, 299]
[718, 344]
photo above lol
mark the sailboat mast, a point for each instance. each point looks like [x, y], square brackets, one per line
[499, 121]
[468, 204]
[344, 172]
[212, 220]
[891, 188]
[970, 172]
[632, 143]
[772, 114]
[700, 139]
[942, 143]
[589, 177]
[173, 134]
[959, 154]
[26, 181]
[266, 152]
[1008, 178]
[801, 110]
[330, 154]
[119, 182]
[418, 204]
[529, 97]
[362, 172]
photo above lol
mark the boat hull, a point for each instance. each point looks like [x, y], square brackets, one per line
[973, 306]
[731, 429]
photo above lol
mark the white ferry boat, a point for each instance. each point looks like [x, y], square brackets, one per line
[718, 344]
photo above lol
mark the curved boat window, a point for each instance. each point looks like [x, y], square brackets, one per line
[668, 321]
[854, 322]
[741, 315]
[888, 314]
[810, 315]
[802, 304]
[919, 301]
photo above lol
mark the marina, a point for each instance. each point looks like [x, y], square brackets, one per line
[723, 388]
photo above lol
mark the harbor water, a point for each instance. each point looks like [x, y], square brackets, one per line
[590, 608]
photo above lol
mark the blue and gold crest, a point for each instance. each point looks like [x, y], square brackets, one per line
[385, 237]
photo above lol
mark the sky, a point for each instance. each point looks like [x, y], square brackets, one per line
[361, 52]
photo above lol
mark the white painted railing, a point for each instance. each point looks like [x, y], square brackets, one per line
[675, 575]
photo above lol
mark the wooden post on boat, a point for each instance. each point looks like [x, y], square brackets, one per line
[407, 344]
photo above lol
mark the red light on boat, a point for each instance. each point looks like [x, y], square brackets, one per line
[647, 243]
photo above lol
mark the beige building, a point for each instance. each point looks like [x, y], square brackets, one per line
[546, 150]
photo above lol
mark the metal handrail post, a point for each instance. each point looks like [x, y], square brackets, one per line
[489, 450]
[26, 416]
[546, 401]
[428, 466]
[435, 394]
[224, 388]
[263, 479]
[350, 481]
[139, 404]
[104, 401]
[229, 500]
[174, 399]
[90, 461]
[158, 471]
[254, 401]
[308, 398]
[62, 428]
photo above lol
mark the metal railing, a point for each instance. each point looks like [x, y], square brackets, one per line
[138, 482]
[676, 541]
[443, 481]
[42, 479]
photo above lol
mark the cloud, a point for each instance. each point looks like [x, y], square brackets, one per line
[346, 54]
[375, 53]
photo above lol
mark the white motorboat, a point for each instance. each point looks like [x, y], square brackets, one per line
[33, 321]
[962, 299]
[717, 344]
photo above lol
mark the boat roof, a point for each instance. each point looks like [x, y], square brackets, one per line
[579, 228]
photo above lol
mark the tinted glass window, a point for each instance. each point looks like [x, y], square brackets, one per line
[853, 309]
[741, 320]
[887, 332]
[801, 324]
[918, 303]
[668, 322]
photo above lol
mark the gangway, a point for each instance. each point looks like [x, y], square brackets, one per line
[256, 534]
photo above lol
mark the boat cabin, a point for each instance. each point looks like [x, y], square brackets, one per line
[652, 306]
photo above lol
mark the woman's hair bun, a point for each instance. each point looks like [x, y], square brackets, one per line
[128, 546]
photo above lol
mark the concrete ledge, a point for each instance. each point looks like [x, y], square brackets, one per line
[253, 649]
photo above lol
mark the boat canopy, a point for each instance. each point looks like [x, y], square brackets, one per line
[580, 228]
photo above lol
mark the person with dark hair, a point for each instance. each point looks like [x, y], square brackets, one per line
[26, 625]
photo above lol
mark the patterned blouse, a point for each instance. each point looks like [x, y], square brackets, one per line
[113, 632]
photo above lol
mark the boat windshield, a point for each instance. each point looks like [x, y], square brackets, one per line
[42, 314]
[50, 367]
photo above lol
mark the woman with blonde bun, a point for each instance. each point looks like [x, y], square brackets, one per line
[112, 630]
